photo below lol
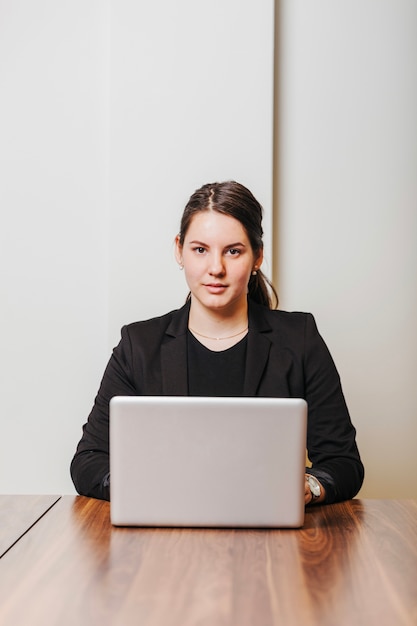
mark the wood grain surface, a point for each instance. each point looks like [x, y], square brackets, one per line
[353, 563]
[18, 514]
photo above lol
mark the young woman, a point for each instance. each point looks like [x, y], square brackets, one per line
[228, 340]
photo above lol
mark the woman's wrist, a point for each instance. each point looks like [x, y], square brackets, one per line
[314, 492]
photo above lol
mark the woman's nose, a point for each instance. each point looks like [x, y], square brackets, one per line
[216, 267]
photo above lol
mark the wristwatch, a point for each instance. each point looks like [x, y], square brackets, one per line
[314, 485]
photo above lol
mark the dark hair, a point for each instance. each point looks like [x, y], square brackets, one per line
[233, 199]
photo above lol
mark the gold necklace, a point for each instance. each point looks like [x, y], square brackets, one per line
[218, 338]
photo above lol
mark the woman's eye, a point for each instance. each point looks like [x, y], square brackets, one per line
[199, 249]
[234, 251]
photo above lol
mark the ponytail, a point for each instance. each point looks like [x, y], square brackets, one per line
[262, 291]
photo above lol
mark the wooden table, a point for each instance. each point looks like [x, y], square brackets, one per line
[18, 514]
[353, 563]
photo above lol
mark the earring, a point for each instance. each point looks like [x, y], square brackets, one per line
[254, 272]
[180, 266]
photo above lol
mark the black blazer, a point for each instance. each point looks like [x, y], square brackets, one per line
[286, 357]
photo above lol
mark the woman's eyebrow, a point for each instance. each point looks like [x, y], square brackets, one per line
[235, 245]
[196, 242]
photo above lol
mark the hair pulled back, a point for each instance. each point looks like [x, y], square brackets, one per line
[235, 200]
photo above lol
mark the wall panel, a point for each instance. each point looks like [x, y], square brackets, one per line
[348, 211]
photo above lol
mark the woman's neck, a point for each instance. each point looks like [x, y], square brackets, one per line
[218, 330]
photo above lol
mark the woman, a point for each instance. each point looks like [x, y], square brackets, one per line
[227, 340]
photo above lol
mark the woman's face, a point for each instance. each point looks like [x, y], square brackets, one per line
[218, 260]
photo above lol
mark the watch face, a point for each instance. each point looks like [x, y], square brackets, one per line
[314, 486]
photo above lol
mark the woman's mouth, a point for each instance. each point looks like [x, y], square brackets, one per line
[215, 287]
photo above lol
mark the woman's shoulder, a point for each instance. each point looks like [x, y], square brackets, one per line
[175, 319]
[295, 328]
[280, 317]
[293, 323]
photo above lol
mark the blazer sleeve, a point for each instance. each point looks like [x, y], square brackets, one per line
[90, 466]
[331, 436]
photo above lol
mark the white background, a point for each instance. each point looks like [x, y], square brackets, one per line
[347, 179]
[112, 113]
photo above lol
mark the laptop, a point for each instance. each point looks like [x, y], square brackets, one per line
[207, 462]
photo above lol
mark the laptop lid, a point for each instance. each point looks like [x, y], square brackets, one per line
[207, 462]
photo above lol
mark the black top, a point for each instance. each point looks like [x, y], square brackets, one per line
[215, 373]
[285, 358]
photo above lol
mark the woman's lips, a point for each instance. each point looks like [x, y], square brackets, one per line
[215, 287]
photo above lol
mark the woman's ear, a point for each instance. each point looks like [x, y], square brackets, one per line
[259, 259]
[178, 250]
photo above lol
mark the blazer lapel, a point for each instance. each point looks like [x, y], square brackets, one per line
[174, 355]
[259, 346]
[174, 352]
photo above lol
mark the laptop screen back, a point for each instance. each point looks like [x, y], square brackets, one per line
[207, 462]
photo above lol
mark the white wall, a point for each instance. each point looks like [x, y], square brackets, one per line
[191, 103]
[53, 129]
[347, 182]
[111, 114]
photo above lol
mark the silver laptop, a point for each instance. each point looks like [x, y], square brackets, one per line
[207, 462]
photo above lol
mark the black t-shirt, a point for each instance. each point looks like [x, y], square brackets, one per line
[215, 373]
